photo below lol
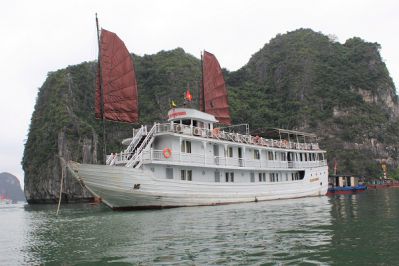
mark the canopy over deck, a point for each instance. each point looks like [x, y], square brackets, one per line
[188, 113]
[282, 133]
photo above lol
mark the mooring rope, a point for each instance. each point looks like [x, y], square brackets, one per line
[62, 182]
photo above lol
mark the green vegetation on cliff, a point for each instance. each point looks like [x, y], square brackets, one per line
[301, 80]
[343, 92]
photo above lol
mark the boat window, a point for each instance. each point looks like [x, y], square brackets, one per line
[189, 175]
[270, 155]
[272, 177]
[301, 174]
[264, 177]
[260, 177]
[230, 152]
[217, 176]
[252, 177]
[186, 146]
[186, 175]
[186, 122]
[298, 175]
[169, 173]
[229, 176]
[283, 156]
[300, 157]
[256, 155]
[183, 175]
[239, 149]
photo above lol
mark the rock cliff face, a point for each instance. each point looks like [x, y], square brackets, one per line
[301, 80]
[10, 187]
[57, 130]
[343, 92]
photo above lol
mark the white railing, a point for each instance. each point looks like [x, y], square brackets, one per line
[129, 158]
[196, 159]
[234, 137]
[136, 138]
[110, 158]
[137, 155]
[123, 156]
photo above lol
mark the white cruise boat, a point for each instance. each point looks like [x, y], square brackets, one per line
[191, 160]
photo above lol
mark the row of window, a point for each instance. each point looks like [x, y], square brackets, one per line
[262, 177]
[271, 155]
[184, 174]
[187, 175]
[275, 177]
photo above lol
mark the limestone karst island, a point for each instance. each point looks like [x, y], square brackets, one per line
[301, 81]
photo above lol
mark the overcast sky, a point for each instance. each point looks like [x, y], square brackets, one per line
[42, 36]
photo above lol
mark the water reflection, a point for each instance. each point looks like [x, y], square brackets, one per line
[365, 228]
[286, 231]
[345, 207]
[350, 229]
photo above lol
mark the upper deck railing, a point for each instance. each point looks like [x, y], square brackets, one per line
[197, 159]
[216, 133]
[127, 158]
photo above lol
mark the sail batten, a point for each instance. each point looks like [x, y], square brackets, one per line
[118, 81]
[214, 90]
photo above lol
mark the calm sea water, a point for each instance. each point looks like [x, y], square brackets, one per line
[360, 229]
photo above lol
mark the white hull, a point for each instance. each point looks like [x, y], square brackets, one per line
[116, 188]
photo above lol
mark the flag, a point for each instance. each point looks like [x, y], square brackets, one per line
[173, 104]
[188, 96]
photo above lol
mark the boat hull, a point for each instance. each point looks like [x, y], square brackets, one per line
[346, 190]
[125, 188]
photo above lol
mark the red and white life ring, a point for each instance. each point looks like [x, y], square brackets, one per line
[167, 152]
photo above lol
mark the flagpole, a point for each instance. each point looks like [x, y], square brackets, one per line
[101, 91]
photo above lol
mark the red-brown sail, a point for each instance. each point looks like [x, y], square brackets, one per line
[118, 81]
[214, 89]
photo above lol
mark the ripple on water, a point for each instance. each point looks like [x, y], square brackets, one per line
[317, 230]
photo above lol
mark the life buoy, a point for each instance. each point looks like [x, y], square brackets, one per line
[167, 152]
[256, 139]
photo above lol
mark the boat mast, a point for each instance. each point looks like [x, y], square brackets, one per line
[202, 96]
[101, 91]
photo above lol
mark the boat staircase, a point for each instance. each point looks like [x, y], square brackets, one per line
[136, 153]
[121, 158]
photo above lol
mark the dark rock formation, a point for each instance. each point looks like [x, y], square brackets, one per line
[10, 187]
